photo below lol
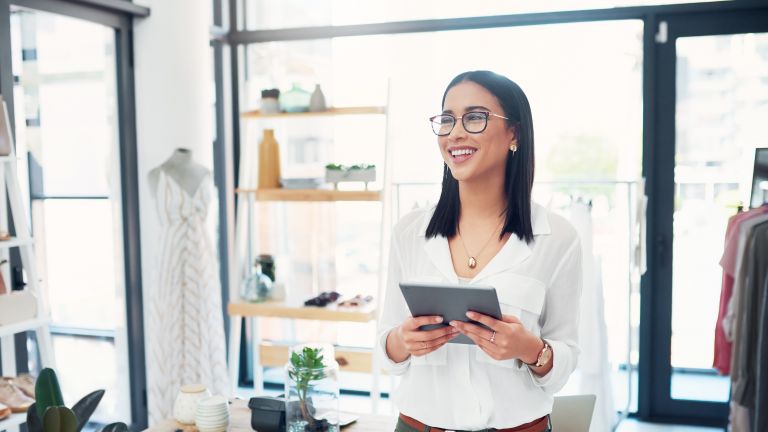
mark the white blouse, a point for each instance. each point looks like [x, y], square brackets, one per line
[458, 386]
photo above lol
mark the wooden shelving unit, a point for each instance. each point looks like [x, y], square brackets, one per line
[311, 195]
[282, 310]
[269, 353]
[329, 112]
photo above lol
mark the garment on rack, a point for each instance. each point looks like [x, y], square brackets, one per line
[746, 259]
[593, 370]
[185, 320]
[761, 396]
[748, 313]
[736, 236]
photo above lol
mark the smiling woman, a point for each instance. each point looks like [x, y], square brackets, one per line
[484, 230]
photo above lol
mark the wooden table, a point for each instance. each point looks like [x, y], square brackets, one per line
[240, 421]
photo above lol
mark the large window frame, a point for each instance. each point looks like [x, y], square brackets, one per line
[117, 15]
[660, 166]
[654, 331]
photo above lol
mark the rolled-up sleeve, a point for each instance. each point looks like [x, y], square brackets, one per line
[560, 320]
[394, 311]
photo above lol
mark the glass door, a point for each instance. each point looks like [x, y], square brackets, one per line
[67, 127]
[711, 101]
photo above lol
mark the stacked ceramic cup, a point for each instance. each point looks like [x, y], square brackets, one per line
[212, 414]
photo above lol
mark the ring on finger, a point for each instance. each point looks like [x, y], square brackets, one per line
[493, 337]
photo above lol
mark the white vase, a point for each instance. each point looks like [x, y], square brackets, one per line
[317, 100]
[185, 406]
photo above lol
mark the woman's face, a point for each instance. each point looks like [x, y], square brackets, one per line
[475, 156]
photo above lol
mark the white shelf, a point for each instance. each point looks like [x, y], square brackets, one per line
[7, 159]
[23, 326]
[13, 421]
[15, 242]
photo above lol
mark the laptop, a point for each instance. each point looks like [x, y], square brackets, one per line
[572, 413]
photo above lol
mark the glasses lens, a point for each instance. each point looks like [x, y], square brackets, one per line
[474, 122]
[442, 124]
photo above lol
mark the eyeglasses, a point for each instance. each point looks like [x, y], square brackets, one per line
[474, 122]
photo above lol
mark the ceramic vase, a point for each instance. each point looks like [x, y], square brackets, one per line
[185, 405]
[269, 161]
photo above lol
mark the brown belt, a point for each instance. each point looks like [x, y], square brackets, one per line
[538, 425]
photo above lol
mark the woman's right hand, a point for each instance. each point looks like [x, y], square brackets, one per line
[407, 340]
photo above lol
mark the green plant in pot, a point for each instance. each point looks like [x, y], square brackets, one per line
[312, 390]
[49, 414]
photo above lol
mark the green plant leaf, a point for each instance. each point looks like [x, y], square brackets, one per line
[47, 391]
[85, 407]
[34, 424]
[59, 419]
[115, 427]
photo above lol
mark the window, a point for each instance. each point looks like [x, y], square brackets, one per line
[586, 97]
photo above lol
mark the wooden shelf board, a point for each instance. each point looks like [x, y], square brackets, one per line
[312, 195]
[22, 326]
[328, 112]
[282, 310]
[13, 421]
[14, 242]
[349, 359]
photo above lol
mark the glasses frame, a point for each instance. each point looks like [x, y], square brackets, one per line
[487, 114]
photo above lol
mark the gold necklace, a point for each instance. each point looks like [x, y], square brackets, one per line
[472, 261]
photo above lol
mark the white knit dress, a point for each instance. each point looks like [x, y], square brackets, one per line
[185, 327]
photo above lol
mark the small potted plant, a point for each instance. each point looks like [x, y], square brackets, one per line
[312, 389]
[49, 414]
[335, 173]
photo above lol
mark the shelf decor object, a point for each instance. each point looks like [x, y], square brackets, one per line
[355, 173]
[269, 161]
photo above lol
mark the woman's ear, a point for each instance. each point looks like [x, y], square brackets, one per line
[513, 134]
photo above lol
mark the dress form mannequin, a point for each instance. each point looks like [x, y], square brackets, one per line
[181, 168]
[185, 337]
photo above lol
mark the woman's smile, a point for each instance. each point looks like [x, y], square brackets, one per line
[461, 154]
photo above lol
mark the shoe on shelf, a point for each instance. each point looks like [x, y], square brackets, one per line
[26, 383]
[13, 397]
[323, 299]
[5, 411]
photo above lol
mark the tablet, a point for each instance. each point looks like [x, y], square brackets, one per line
[451, 302]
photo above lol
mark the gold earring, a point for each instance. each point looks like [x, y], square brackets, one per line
[513, 148]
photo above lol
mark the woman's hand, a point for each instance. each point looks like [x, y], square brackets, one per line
[407, 340]
[507, 339]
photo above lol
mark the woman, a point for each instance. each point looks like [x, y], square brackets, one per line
[485, 231]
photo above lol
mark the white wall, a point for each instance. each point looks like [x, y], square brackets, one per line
[173, 78]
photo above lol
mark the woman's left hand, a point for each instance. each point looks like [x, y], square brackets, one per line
[507, 339]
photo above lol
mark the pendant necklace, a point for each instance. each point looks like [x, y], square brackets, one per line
[472, 261]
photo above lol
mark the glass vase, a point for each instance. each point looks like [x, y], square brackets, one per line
[312, 393]
[257, 287]
[295, 100]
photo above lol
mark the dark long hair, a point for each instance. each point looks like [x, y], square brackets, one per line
[518, 171]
